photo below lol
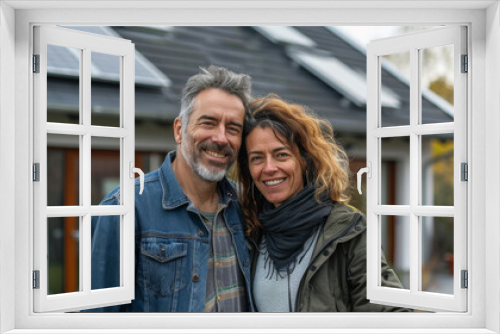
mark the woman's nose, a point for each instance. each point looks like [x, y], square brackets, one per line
[269, 167]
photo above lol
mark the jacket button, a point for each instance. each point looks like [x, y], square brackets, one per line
[200, 233]
[358, 228]
[313, 268]
[326, 253]
[196, 278]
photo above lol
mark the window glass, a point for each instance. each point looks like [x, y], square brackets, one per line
[63, 85]
[63, 164]
[437, 76]
[395, 240]
[105, 170]
[63, 254]
[401, 115]
[437, 169]
[395, 177]
[105, 89]
[106, 262]
[437, 254]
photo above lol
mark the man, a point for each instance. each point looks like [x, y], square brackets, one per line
[190, 249]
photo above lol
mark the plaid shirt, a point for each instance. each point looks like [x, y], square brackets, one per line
[225, 282]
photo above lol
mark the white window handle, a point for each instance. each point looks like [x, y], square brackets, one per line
[134, 170]
[368, 171]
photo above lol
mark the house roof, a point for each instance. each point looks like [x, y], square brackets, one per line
[274, 66]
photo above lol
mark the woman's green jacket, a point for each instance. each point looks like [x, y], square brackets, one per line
[335, 280]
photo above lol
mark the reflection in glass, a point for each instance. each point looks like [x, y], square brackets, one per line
[395, 239]
[105, 90]
[63, 255]
[396, 114]
[437, 75]
[437, 254]
[105, 170]
[63, 170]
[437, 169]
[63, 84]
[105, 252]
[395, 153]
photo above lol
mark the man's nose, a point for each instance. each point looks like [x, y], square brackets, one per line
[219, 136]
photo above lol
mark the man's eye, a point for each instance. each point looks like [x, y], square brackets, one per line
[234, 130]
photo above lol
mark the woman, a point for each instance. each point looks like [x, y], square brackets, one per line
[309, 246]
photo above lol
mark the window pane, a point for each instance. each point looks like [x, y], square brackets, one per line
[437, 75]
[63, 255]
[395, 97]
[63, 164]
[395, 239]
[105, 90]
[63, 84]
[437, 254]
[106, 245]
[105, 171]
[437, 169]
[395, 171]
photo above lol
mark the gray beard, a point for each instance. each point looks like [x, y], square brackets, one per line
[193, 160]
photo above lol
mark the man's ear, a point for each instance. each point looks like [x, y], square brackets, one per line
[178, 130]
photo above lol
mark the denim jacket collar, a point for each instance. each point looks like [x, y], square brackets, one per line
[173, 196]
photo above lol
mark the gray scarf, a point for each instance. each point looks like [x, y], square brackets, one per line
[288, 226]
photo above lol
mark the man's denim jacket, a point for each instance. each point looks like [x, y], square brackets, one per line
[172, 246]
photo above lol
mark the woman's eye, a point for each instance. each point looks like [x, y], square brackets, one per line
[255, 159]
[283, 155]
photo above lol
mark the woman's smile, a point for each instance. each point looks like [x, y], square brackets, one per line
[275, 169]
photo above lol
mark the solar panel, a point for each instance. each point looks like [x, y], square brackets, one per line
[342, 78]
[65, 61]
[285, 34]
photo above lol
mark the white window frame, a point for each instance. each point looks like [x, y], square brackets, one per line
[414, 211]
[484, 211]
[86, 44]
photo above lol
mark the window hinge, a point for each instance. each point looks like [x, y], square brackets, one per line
[465, 279]
[465, 64]
[464, 171]
[36, 63]
[36, 279]
[36, 172]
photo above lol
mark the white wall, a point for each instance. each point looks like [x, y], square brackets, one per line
[492, 163]
[7, 159]
[483, 118]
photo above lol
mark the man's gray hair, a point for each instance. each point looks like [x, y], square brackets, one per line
[214, 77]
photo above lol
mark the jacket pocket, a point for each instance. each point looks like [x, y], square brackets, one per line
[164, 266]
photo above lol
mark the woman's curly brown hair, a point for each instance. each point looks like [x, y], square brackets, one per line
[312, 139]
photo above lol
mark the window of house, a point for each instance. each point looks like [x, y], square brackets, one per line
[476, 318]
